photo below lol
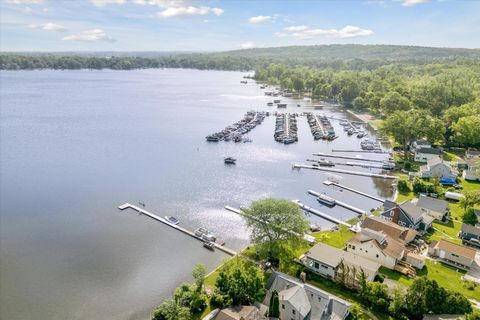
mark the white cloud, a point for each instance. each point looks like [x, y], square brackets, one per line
[189, 11]
[304, 32]
[27, 10]
[260, 19]
[101, 3]
[92, 35]
[411, 3]
[49, 26]
[160, 3]
[247, 45]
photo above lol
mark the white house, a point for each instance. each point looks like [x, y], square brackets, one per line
[417, 144]
[424, 154]
[471, 172]
[438, 168]
[472, 154]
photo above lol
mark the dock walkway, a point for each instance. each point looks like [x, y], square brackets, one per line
[341, 204]
[331, 183]
[360, 151]
[164, 221]
[321, 214]
[320, 154]
[357, 173]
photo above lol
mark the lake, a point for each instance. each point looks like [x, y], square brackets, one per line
[76, 144]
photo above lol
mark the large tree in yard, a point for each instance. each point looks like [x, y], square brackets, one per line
[277, 225]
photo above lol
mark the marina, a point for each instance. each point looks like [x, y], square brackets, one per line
[200, 234]
[338, 202]
[320, 127]
[235, 131]
[358, 173]
[286, 128]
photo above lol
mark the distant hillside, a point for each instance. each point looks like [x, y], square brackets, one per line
[340, 57]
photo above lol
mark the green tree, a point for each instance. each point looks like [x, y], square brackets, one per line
[170, 310]
[466, 131]
[394, 101]
[277, 225]
[397, 305]
[470, 200]
[470, 217]
[198, 274]
[274, 308]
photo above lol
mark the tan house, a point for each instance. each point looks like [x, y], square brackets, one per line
[453, 254]
[325, 260]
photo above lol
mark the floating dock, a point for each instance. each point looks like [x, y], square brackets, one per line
[307, 237]
[321, 214]
[356, 173]
[164, 221]
[320, 154]
[341, 204]
[331, 183]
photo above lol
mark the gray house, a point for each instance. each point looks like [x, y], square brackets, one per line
[408, 215]
[436, 208]
[302, 301]
[470, 235]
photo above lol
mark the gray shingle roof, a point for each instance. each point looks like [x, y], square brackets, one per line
[429, 150]
[432, 204]
[411, 210]
[467, 228]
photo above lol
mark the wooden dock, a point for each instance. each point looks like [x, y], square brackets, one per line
[331, 183]
[321, 214]
[357, 173]
[341, 204]
[164, 221]
[320, 154]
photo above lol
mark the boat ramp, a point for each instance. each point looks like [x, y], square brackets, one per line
[181, 229]
[341, 204]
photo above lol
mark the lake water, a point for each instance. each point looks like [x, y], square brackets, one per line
[76, 144]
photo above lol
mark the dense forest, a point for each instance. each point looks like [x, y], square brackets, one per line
[338, 57]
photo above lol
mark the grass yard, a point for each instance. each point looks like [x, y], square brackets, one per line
[335, 239]
[446, 276]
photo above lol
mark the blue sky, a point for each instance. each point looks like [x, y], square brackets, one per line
[173, 25]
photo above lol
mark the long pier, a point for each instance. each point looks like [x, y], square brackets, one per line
[360, 151]
[321, 214]
[353, 164]
[320, 154]
[164, 221]
[306, 237]
[331, 183]
[341, 204]
[357, 173]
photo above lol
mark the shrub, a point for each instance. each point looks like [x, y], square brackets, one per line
[403, 186]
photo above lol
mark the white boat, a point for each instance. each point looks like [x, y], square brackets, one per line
[326, 200]
[172, 220]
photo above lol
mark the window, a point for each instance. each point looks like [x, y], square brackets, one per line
[353, 247]
[376, 255]
[293, 311]
[283, 306]
[391, 213]
[316, 265]
[455, 255]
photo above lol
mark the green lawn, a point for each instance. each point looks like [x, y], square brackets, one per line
[446, 276]
[335, 239]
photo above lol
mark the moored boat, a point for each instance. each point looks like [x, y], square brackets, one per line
[326, 200]
[172, 220]
[229, 160]
[209, 245]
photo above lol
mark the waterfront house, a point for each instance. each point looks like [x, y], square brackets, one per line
[401, 234]
[472, 154]
[470, 235]
[438, 168]
[471, 171]
[453, 254]
[417, 144]
[407, 215]
[424, 154]
[237, 313]
[300, 301]
[435, 208]
[326, 261]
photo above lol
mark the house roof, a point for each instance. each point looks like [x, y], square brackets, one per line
[332, 256]
[402, 234]
[455, 248]
[421, 142]
[298, 298]
[322, 304]
[389, 246]
[239, 312]
[411, 210]
[467, 228]
[429, 150]
[415, 256]
[472, 153]
[435, 161]
[432, 204]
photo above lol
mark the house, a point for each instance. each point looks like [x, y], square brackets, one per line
[435, 208]
[237, 313]
[443, 317]
[407, 215]
[376, 246]
[424, 154]
[471, 171]
[437, 168]
[453, 254]
[326, 260]
[399, 233]
[472, 154]
[470, 235]
[300, 301]
[417, 144]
